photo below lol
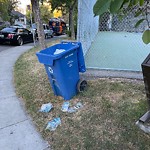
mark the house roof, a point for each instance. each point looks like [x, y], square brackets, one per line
[17, 13]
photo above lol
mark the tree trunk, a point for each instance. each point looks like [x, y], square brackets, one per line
[71, 19]
[36, 13]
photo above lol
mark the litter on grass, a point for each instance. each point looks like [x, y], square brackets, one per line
[53, 124]
[75, 108]
[46, 107]
[65, 106]
[78, 105]
[71, 110]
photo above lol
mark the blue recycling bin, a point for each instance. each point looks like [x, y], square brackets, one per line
[63, 68]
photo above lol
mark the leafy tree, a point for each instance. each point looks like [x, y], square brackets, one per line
[12, 5]
[37, 18]
[117, 7]
[29, 14]
[45, 13]
[6, 7]
[66, 6]
[3, 10]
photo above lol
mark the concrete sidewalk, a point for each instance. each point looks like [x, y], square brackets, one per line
[16, 129]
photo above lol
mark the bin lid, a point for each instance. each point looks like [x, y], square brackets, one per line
[48, 55]
[146, 62]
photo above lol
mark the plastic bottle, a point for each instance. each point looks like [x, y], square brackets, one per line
[46, 107]
[78, 105]
[65, 106]
[71, 110]
[75, 108]
[53, 124]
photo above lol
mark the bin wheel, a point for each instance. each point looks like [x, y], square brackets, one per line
[82, 84]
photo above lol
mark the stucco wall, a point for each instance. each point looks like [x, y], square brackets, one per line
[87, 24]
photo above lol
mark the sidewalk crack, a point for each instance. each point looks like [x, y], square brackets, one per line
[13, 124]
[6, 97]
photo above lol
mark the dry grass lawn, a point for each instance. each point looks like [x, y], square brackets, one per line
[106, 122]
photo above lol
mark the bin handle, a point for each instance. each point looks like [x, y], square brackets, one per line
[65, 42]
[69, 42]
[54, 80]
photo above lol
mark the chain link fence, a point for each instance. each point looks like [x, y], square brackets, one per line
[87, 24]
[118, 46]
[124, 22]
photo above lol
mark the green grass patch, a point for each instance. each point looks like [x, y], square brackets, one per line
[107, 121]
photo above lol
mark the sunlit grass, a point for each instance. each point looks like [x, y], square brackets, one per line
[107, 120]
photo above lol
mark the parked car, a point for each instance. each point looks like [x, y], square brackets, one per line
[15, 35]
[47, 31]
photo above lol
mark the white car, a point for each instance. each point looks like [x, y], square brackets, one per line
[47, 31]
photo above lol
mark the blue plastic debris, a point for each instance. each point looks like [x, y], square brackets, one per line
[53, 124]
[46, 107]
[71, 110]
[65, 106]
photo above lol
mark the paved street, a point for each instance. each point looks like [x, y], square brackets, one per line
[7, 46]
[4, 47]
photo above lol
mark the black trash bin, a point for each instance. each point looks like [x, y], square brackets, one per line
[146, 77]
